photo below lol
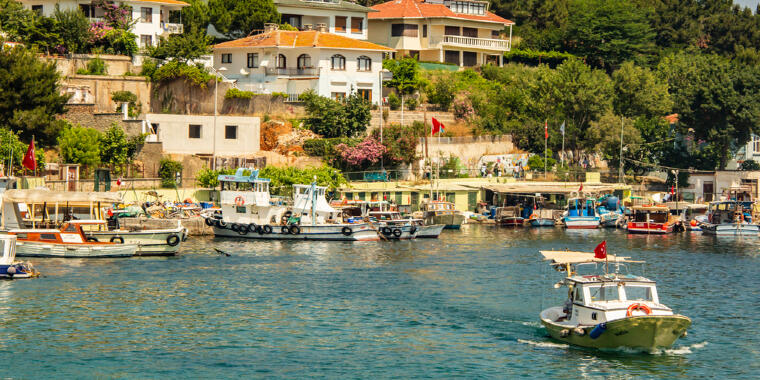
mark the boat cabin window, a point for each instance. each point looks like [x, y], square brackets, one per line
[21, 236]
[70, 228]
[240, 209]
[578, 295]
[638, 293]
[89, 228]
[604, 293]
[659, 217]
[47, 237]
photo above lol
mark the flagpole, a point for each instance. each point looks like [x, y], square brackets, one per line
[562, 156]
[546, 138]
[35, 156]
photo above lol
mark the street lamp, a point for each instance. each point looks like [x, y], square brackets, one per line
[382, 76]
[216, 100]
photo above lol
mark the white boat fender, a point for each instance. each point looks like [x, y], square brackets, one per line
[284, 230]
[346, 231]
[295, 230]
[598, 331]
[172, 240]
[185, 233]
[564, 333]
[11, 270]
[397, 232]
[579, 331]
[117, 239]
[242, 229]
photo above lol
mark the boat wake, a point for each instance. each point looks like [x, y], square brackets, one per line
[685, 350]
[543, 344]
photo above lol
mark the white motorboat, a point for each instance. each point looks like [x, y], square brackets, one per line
[9, 267]
[158, 242]
[732, 218]
[391, 225]
[609, 310]
[249, 212]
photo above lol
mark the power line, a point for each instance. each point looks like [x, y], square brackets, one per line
[663, 167]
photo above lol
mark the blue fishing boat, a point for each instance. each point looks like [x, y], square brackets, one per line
[581, 214]
[610, 211]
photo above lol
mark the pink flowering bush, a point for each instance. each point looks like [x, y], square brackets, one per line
[463, 109]
[116, 16]
[98, 31]
[366, 153]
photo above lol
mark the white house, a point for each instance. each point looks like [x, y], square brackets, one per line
[338, 16]
[225, 136]
[294, 62]
[152, 16]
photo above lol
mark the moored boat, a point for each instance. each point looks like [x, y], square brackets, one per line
[732, 218]
[651, 219]
[581, 214]
[158, 242]
[509, 216]
[429, 231]
[391, 225]
[609, 310]
[69, 242]
[542, 218]
[441, 212]
[9, 267]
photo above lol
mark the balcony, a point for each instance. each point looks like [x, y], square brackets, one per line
[172, 28]
[472, 42]
[292, 71]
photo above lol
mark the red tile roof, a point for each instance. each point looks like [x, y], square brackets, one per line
[419, 9]
[308, 38]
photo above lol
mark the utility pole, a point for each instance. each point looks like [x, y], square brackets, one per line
[620, 174]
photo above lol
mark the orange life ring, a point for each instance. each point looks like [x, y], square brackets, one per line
[638, 306]
[239, 201]
[533, 216]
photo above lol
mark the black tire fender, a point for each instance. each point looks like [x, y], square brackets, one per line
[267, 229]
[117, 239]
[235, 227]
[295, 230]
[284, 230]
[242, 229]
[172, 240]
[397, 232]
[209, 222]
[92, 239]
[346, 231]
[386, 231]
[221, 224]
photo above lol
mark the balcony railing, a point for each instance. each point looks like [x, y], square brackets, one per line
[484, 43]
[172, 28]
[292, 71]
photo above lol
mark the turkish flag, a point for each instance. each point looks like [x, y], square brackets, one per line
[600, 252]
[581, 189]
[437, 126]
[546, 130]
[30, 161]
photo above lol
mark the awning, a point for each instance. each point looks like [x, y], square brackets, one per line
[559, 188]
[40, 196]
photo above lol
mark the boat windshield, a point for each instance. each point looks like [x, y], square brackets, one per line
[638, 293]
[604, 293]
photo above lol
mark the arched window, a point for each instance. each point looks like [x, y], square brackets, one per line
[304, 61]
[338, 62]
[282, 62]
[364, 63]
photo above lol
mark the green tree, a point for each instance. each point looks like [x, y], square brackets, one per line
[639, 93]
[167, 171]
[30, 95]
[406, 74]
[441, 92]
[330, 118]
[196, 16]
[14, 19]
[79, 145]
[238, 18]
[189, 46]
[74, 29]
[608, 32]
[115, 148]
[283, 179]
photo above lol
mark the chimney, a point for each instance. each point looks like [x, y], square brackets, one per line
[322, 28]
[270, 27]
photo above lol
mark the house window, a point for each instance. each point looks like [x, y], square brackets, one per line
[364, 63]
[469, 58]
[146, 40]
[194, 131]
[339, 96]
[451, 56]
[452, 31]
[406, 30]
[227, 58]
[304, 61]
[340, 23]
[253, 60]
[37, 9]
[756, 145]
[470, 32]
[230, 132]
[424, 31]
[365, 94]
[85, 8]
[146, 14]
[356, 24]
[495, 34]
[282, 62]
[338, 62]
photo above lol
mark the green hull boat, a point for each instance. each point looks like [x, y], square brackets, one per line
[640, 332]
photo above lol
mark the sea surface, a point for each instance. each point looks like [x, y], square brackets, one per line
[462, 306]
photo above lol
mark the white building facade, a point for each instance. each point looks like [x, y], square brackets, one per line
[153, 17]
[339, 17]
[222, 136]
[293, 62]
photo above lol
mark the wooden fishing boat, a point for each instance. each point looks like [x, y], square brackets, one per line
[392, 226]
[609, 310]
[441, 212]
[651, 219]
[69, 241]
[509, 216]
[542, 218]
[154, 242]
[581, 214]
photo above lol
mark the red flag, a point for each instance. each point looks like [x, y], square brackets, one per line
[672, 190]
[581, 189]
[30, 161]
[546, 130]
[600, 252]
[437, 126]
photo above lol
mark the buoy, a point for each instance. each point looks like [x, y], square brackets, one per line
[579, 331]
[598, 330]
[11, 270]
[693, 223]
[564, 333]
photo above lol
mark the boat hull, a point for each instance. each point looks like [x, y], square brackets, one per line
[451, 221]
[390, 232]
[37, 249]
[649, 228]
[576, 223]
[148, 242]
[359, 232]
[542, 222]
[731, 229]
[512, 221]
[646, 332]
[429, 232]
[20, 270]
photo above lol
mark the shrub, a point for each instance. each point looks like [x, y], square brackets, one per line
[134, 107]
[394, 102]
[364, 154]
[326, 147]
[193, 74]
[412, 103]
[276, 95]
[536, 161]
[331, 118]
[234, 93]
[95, 66]
[149, 68]
[463, 109]
[749, 165]
[442, 92]
[536, 57]
[79, 145]
[168, 170]
[209, 178]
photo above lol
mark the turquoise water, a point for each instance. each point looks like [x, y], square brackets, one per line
[465, 306]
